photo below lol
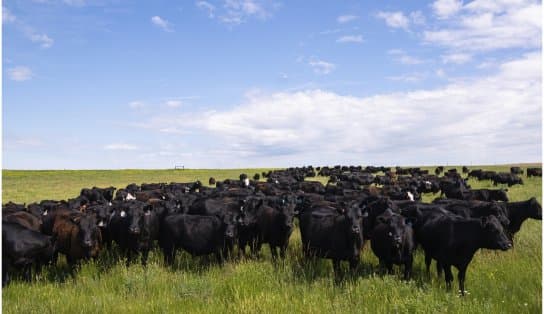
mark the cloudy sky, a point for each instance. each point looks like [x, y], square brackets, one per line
[257, 83]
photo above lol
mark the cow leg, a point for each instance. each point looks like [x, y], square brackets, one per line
[408, 268]
[353, 264]
[169, 255]
[448, 276]
[283, 248]
[428, 260]
[336, 269]
[273, 251]
[145, 254]
[461, 278]
[389, 266]
[27, 272]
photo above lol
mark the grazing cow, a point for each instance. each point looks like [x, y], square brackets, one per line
[486, 195]
[439, 170]
[98, 195]
[198, 235]
[78, 236]
[508, 178]
[327, 234]
[211, 181]
[465, 169]
[534, 172]
[393, 242]
[452, 241]
[134, 227]
[518, 212]
[256, 177]
[516, 170]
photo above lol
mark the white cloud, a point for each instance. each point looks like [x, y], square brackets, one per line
[482, 26]
[417, 18]
[409, 78]
[173, 103]
[400, 56]
[7, 17]
[446, 8]
[44, 40]
[234, 12]
[20, 73]
[322, 67]
[492, 119]
[204, 5]
[457, 58]
[342, 19]
[120, 146]
[350, 39]
[394, 19]
[162, 23]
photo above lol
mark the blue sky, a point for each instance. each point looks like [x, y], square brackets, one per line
[247, 83]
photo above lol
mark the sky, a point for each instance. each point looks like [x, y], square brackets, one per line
[114, 84]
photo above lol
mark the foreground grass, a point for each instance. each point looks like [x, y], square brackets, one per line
[498, 282]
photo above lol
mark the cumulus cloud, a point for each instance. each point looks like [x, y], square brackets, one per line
[322, 67]
[491, 119]
[20, 73]
[394, 19]
[446, 8]
[162, 23]
[342, 19]
[350, 39]
[484, 25]
[173, 103]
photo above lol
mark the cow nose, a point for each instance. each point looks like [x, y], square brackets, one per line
[88, 243]
[355, 229]
[229, 234]
[135, 230]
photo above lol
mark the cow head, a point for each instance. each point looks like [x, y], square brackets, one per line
[493, 234]
[230, 222]
[535, 209]
[395, 226]
[354, 218]
[108, 193]
[89, 235]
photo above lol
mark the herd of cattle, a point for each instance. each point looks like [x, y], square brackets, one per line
[335, 220]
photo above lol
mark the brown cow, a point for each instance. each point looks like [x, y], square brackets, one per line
[78, 236]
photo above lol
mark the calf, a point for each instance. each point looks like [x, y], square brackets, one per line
[452, 241]
[327, 234]
[393, 242]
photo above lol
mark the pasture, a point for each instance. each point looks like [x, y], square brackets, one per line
[497, 282]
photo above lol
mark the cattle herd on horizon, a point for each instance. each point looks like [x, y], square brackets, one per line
[234, 218]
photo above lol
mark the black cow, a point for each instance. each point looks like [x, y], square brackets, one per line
[476, 209]
[516, 170]
[134, 226]
[486, 195]
[393, 242]
[21, 248]
[506, 178]
[518, 212]
[211, 181]
[452, 241]
[534, 172]
[198, 235]
[327, 234]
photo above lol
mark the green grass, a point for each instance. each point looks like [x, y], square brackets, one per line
[498, 282]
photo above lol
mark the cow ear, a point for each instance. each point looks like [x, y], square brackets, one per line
[483, 221]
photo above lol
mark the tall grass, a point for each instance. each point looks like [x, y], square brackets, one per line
[498, 282]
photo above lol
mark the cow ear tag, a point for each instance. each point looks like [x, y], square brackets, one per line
[123, 213]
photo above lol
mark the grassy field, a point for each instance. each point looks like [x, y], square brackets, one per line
[498, 282]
